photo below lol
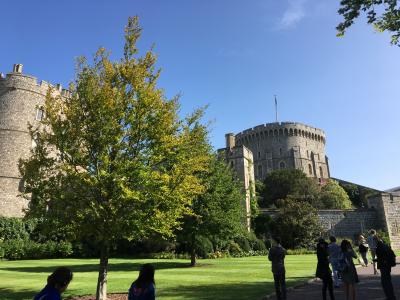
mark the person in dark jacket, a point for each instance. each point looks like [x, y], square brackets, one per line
[383, 259]
[57, 283]
[349, 274]
[277, 257]
[143, 288]
[323, 271]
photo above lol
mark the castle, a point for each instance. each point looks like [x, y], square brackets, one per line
[21, 103]
[252, 153]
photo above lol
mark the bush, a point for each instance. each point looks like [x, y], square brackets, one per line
[234, 248]
[19, 249]
[14, 229]
[300, 251]
[243, 242]
[203, 246]
[259, 245]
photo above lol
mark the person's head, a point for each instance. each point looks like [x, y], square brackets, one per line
[60, 279]
[345, 245]
[321, 243]
[277, 240]
[372, 232]
[146, 275]
[361, 238]
[332, 239]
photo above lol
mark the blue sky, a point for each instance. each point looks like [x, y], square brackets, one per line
[235, 55]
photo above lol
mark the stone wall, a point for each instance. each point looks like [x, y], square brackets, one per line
[348, 223]
[388, 207]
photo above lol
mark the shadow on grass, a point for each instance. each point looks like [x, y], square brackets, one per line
[8, 294]
[243, 291]
[113, 267]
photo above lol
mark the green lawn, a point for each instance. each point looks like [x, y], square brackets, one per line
[229, 278]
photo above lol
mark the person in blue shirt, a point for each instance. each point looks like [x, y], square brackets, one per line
[143, 288]
[57, 283]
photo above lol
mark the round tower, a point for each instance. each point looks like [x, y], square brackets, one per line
[21, 103]
[286, 145]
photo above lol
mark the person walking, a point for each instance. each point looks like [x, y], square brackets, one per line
[277, 257]
[143, 288]
[363, 249]
[323, 271]
[57, 283]
[334, 252]
[386, 259]
[348, 269]
[371, 240]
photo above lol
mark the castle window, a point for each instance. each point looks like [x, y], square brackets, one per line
[260, 171]
[280, 151]
[308, 155]
[259, 154]
[309, 169]
[321, 172]
[39, 114]
[231, 164]
[269, 163]
[282, 165]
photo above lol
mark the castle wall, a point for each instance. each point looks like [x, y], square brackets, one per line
[343, 223]
[388, 207]
[286, 145]
[20, 98]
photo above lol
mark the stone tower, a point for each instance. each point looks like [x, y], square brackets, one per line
[286, 145]
[21, 102]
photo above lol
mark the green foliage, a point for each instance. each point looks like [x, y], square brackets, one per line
[280, 184]
[384, 15]
[218, 213]
[234, 248]
[243, 242]
[262, 225]
[333, 196]
[297, 224]
[16, 228]
[203, 246]
[300, 251]
[27, 249]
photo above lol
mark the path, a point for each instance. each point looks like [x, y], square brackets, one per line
[369, 287]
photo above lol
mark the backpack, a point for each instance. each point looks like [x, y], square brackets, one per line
[391, 257]
[343, 265]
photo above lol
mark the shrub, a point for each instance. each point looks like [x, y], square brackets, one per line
[243, 242]
[203, 246]
[259, 245]
[19, 249]
[234, 248]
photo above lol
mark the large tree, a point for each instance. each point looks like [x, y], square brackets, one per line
[280, 184]
[384, 15]
[333, 196]
[219, 212]
[114, 160]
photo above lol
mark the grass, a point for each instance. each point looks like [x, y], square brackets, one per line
[228, 278]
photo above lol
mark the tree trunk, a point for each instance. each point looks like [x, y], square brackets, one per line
[101, 292]
[193, 252]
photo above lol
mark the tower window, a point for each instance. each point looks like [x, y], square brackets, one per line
[282, 165]
[39, 114]
[321, 172]
[260, 171]
[310, 169]
[259, 154]
[280, 151]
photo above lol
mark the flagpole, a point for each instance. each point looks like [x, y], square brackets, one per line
[276, 109]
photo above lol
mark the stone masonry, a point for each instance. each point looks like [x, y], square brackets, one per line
[21, 103]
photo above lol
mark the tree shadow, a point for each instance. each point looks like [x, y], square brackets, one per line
[9, 294]
[113, 267]
[228, 291]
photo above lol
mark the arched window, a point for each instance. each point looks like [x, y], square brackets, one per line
[310, 169]
[39, 113]
[282, 165]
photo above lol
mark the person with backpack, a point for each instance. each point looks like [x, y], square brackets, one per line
[143, 288]
[386, 259]
[277, 257]
[348, 270]
[323, 271]
[57, 283]
[334, 255]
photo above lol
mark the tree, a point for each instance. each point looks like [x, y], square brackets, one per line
[297, 224]
[280, 184]
[384, 15]
[114, 160]
[218, 213]
[333, 196]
